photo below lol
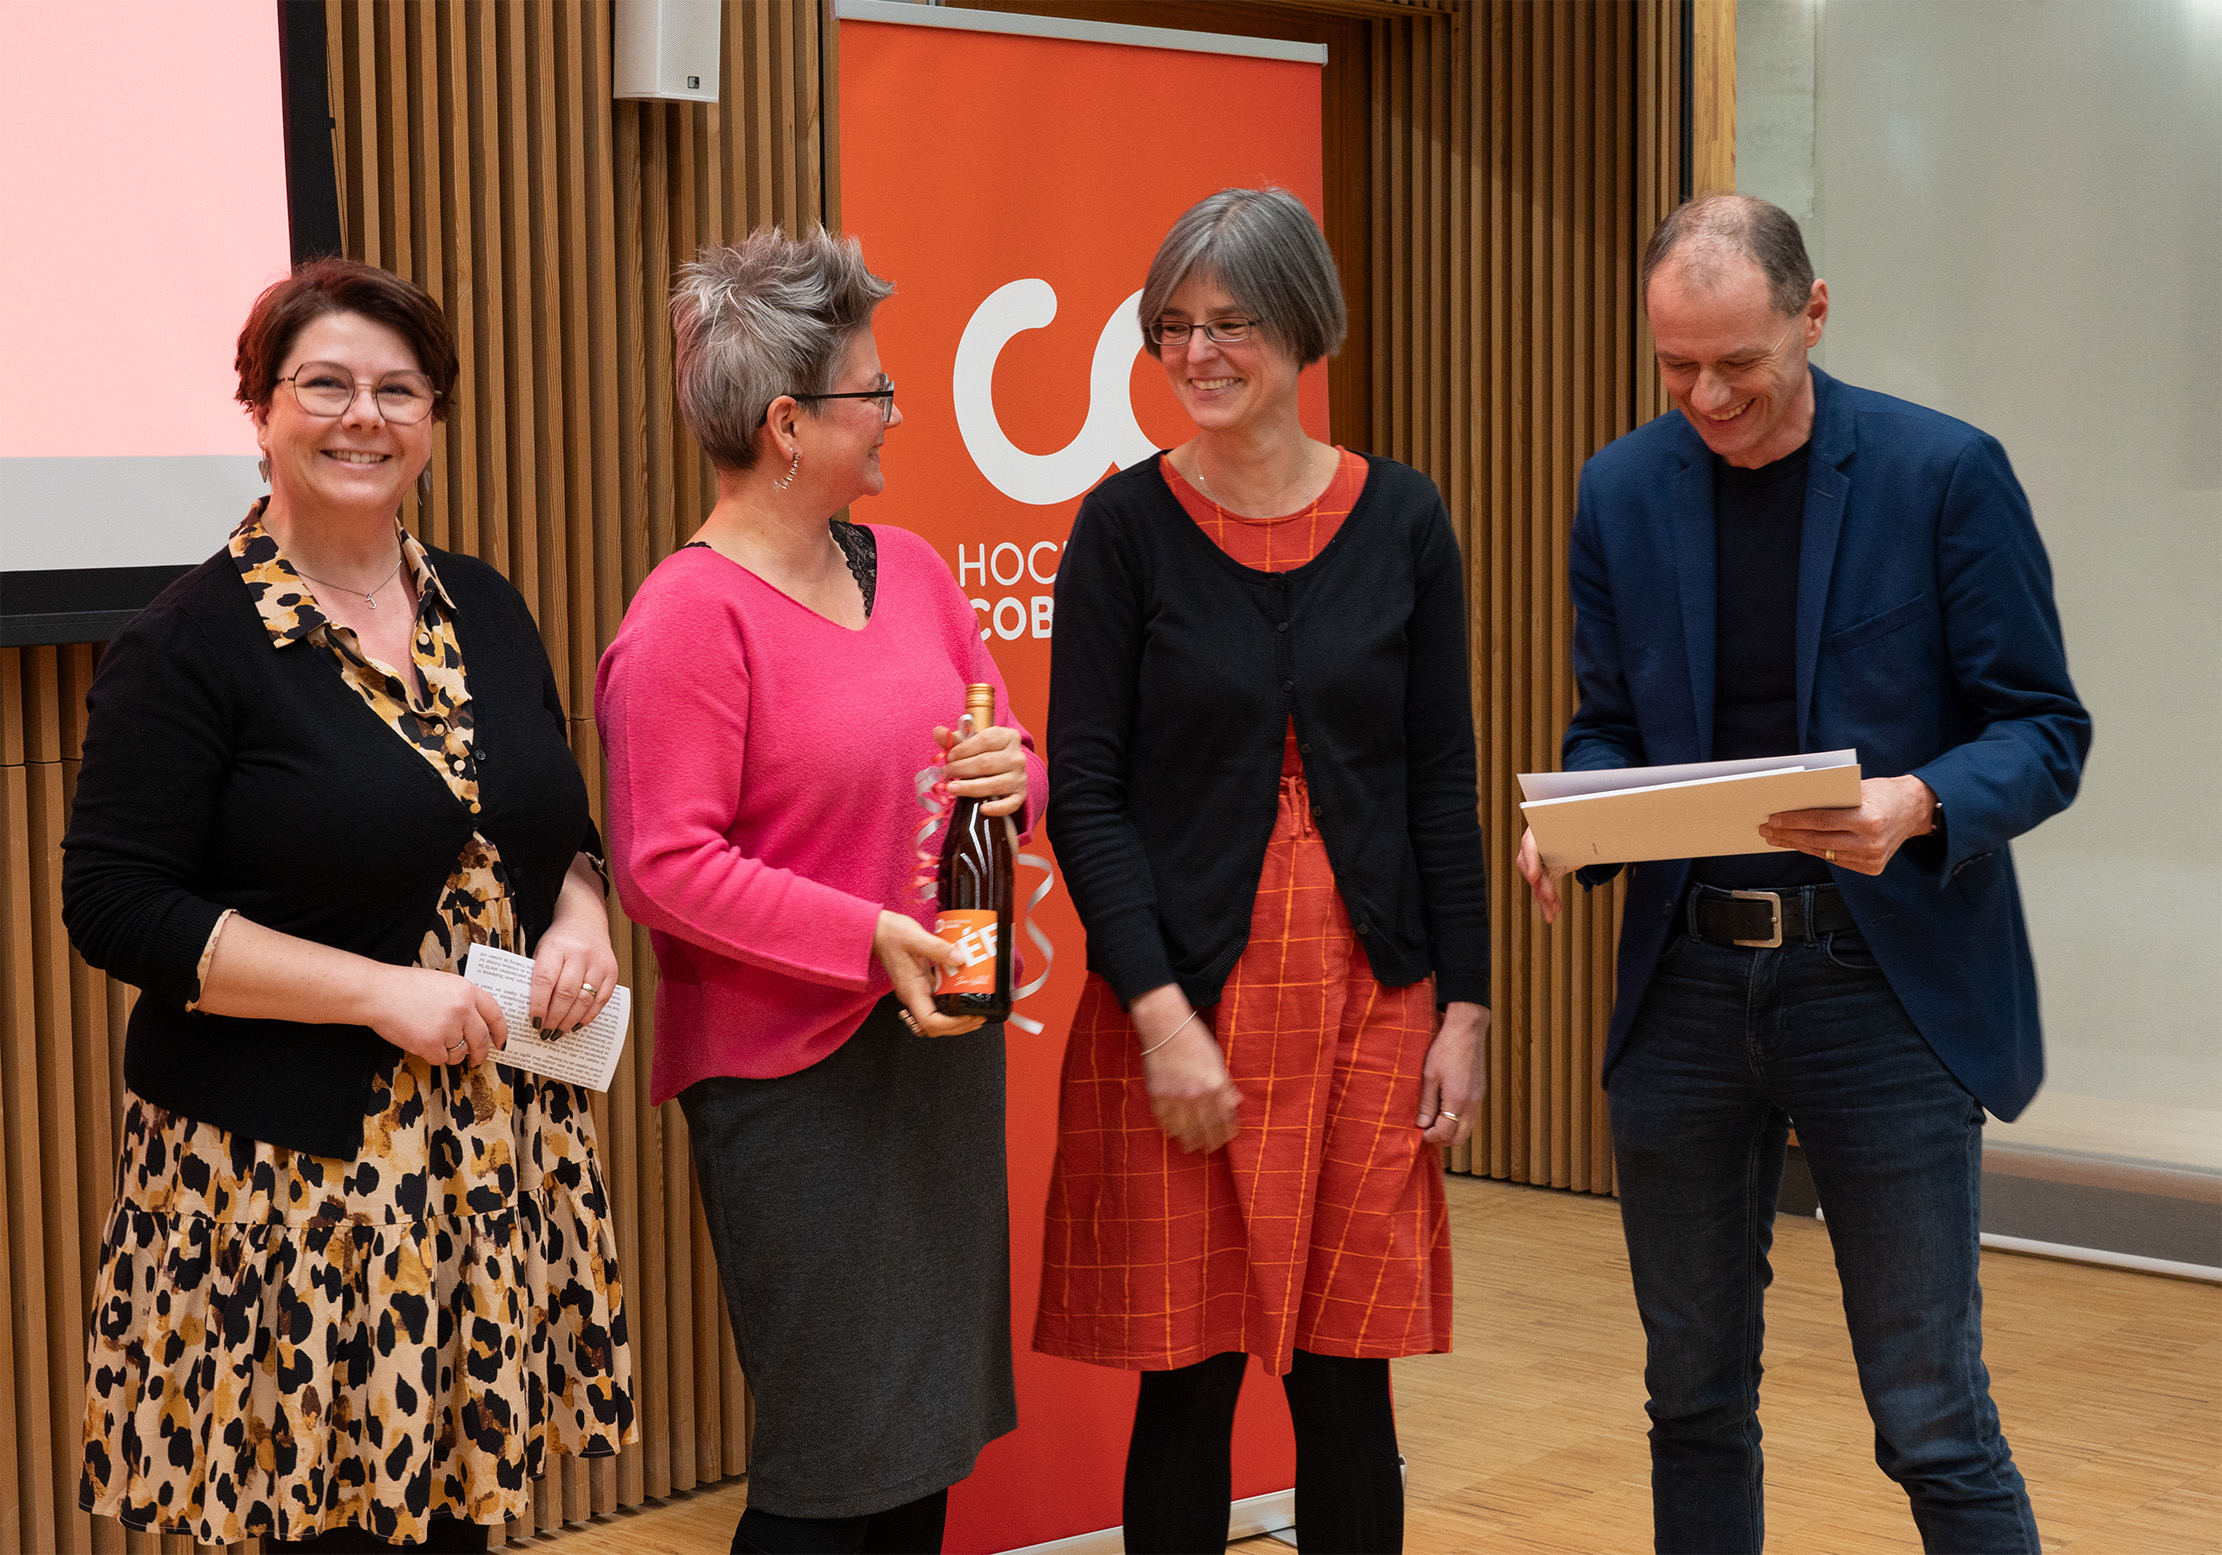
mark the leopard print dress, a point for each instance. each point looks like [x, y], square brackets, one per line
[285, 1343]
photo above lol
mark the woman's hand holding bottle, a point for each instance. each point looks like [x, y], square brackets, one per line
[913, 954]
[989, 764]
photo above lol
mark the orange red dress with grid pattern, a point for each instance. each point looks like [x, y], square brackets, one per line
[1322, 1225]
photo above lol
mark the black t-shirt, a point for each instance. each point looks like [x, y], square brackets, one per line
[1759, 519]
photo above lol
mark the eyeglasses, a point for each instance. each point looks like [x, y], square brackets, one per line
[1220, 332]
[885, 394]
[326, 389]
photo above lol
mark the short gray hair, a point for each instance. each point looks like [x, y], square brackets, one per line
[1263, 247]
[1718, 226]
[769, 316]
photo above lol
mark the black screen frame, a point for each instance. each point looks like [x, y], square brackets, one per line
[91, 604]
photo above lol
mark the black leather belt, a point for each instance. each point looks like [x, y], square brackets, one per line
[1761, 920]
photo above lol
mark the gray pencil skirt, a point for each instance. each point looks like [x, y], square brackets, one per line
[859, 1214]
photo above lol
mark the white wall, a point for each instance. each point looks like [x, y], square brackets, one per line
[1775, 42]
[2018, 209]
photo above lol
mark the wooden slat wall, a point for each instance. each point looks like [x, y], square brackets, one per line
[61, 1090]
[1522, 152]
[1713, 96]
[1488, 205]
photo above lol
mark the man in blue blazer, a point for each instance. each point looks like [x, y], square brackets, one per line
[1786, 563]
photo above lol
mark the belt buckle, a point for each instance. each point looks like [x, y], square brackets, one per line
[1773, 899]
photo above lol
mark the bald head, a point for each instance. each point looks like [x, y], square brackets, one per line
[1712, 237]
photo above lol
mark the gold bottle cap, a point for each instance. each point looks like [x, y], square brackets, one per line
[979, 701]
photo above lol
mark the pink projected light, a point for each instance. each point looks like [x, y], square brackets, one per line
[142, 208]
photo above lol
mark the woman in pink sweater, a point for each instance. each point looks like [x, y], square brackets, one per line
[766, 709]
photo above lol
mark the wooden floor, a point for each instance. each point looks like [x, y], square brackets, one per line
[1530, 1437]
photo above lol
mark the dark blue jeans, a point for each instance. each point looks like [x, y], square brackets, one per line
[1731, 1049]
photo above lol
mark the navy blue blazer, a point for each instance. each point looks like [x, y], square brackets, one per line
[1926, 639]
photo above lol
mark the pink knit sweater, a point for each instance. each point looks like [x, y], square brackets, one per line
[762, 796]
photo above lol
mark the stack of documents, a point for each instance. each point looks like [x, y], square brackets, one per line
[1698, 810]
[585, 1057]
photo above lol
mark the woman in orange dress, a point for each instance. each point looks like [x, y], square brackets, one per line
[1262, 795]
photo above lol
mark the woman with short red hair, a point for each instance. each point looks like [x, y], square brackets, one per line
[359, 1286]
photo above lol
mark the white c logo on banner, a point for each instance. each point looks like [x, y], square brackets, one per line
[1110, 435]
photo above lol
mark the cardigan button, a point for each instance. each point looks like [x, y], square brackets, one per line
[1361, 928]
[1288, 685]
[1306, 749]
[1280, 626]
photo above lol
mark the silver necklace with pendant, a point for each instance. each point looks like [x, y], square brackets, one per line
[369, 599]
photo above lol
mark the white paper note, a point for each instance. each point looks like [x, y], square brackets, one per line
[1698, 810]
[585, 1057]
[1569, 785]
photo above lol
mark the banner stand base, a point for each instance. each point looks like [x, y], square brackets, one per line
[1248, 1518]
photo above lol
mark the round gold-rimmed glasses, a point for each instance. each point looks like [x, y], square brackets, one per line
[326, 390]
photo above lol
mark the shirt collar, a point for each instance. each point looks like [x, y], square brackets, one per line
[282, 597]
[421, 569]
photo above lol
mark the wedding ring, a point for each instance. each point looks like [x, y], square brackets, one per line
[1446, 1112]
[458, 1043]
[587, 989]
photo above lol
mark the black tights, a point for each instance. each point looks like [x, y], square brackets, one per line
[1349, 1493]
[442, 1536]
[914, 1528]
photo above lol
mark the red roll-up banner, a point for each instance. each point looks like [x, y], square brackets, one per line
[1013, 184]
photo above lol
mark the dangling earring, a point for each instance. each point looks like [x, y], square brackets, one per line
[790, 480]
[262, 468]
[424, 484]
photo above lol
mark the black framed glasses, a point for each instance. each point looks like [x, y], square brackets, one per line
[326, 390]
[1220, 332]
[884, 394]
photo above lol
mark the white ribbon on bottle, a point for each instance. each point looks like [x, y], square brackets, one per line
[933, 798]
[1033, 931]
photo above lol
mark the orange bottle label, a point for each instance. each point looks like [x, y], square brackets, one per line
[973, 932]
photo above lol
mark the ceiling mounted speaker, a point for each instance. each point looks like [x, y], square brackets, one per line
[666, 49]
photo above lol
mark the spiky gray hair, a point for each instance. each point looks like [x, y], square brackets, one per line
[768, 316]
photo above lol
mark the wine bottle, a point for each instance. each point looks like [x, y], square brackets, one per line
[974, 896]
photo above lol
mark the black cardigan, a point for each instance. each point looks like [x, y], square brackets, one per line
[1175, 674]
[221, 771]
